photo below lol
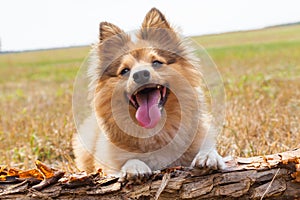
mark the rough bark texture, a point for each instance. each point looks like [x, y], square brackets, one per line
[272, 176]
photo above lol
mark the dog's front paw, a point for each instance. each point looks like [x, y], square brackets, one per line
[210, 160]
[135, 169]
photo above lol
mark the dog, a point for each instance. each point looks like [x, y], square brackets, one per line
[149, 110]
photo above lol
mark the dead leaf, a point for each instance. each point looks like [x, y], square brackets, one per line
[46, 171]
[76, 180]
[3, 178]
[13, 172]
[32, 173]
[3, 170]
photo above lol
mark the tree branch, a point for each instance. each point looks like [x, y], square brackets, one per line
[272, 176]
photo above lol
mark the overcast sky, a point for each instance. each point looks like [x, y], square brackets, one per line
[35, 24]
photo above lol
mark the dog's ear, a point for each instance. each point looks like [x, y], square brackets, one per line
[113, 43]
[155, 19]
[108, 30]
[157, 30]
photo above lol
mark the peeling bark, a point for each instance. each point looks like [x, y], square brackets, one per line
[272, 176]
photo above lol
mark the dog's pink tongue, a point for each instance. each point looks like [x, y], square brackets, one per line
[148, 113]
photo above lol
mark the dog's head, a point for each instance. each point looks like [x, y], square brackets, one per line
[141, 82]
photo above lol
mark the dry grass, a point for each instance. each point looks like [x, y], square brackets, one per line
[36, 120]
[261, 72]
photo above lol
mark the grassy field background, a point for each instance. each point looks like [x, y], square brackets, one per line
[261, 72]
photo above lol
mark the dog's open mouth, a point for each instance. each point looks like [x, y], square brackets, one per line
[149, 101]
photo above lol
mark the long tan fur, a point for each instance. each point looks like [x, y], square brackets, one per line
[103, 140]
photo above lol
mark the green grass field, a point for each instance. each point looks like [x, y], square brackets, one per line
[261, 72]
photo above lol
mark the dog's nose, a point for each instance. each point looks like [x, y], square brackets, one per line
[141, 77]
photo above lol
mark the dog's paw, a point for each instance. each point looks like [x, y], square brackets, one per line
[210, 160]
[135, 169]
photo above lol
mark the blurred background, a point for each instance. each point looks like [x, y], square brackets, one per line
[35, 24]
[255, 44]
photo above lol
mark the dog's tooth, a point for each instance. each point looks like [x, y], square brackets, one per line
[135, 93]
[158, 86]
[164, 92]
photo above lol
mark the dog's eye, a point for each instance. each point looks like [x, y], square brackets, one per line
[124, 71]
[156, 63]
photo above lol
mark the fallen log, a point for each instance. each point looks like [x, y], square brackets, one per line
[271, 176]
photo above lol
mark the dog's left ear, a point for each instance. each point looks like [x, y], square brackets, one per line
[155, 19]
[156, 29]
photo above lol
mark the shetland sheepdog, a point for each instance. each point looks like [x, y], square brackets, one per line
[149, 109]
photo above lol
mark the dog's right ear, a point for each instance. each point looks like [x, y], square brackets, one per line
[113, 42]
[108, 30]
